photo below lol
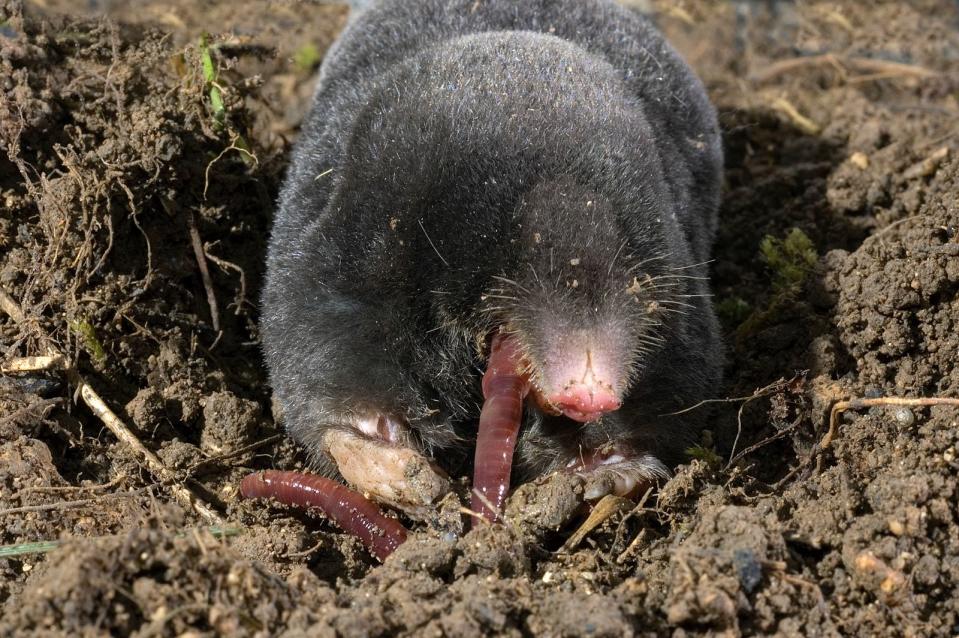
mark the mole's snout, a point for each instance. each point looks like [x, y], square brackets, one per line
[586, 401]
[582, 381]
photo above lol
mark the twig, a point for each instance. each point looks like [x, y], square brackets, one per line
[69, 488]
[65, 505]
[204, 272]
[305, 552]
[477, 516]
[11, 307]
[746, 400]
[232, 147]
[468, 512]
[889, 227]
[42, 547]
[632, 546]
[32, 364]
[759, 444]
[775, 385]
[927, 166]
[229, 265]
[865, 65]
[608, 506]
[802, 122]
[103, 412]
[640, 507]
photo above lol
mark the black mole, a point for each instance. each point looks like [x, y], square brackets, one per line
[549, 168]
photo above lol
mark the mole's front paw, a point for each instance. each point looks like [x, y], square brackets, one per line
[618, 473]
[380, 465]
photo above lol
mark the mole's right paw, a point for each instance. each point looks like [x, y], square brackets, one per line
[378, 464]
[620, 474]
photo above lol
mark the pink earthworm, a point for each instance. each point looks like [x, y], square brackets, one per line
[350, 510]
[505, 387]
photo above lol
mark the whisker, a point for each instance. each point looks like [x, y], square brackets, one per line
[675, 311]
[536, 277]
[702, 263]
[613, 260]
[647, 260]
[671, 302]
[432, 245]
[668, 277]
[515, 284]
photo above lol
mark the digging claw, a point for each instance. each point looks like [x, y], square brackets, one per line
[618, 475]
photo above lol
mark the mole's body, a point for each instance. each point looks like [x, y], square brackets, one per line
[549, 168]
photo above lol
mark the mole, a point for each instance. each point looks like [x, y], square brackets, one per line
[545, 173]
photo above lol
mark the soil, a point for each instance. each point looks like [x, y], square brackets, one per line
[125, 172]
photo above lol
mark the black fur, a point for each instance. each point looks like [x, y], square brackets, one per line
[544, 165]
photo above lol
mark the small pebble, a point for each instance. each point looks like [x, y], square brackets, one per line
[859, 160]
[904, 416]
[748, 567]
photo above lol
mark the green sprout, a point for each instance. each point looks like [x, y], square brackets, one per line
[210, 77]
[88, 337]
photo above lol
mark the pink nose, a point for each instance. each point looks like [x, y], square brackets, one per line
[585, 402]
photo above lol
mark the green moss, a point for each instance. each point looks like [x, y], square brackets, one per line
[790, 259]
[307, 57]
[733, 310]
[707, 455]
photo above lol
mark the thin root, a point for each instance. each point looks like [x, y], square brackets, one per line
[855, 404]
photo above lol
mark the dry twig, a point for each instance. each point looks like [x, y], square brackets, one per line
[607, 507]
[875, 68]
[204, 273]
[32, 364]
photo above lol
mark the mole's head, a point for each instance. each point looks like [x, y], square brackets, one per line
[592, 293]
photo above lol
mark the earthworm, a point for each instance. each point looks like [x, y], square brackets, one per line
[350, 510]
[504, 389]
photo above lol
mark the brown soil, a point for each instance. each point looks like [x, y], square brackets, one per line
[840, 121]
